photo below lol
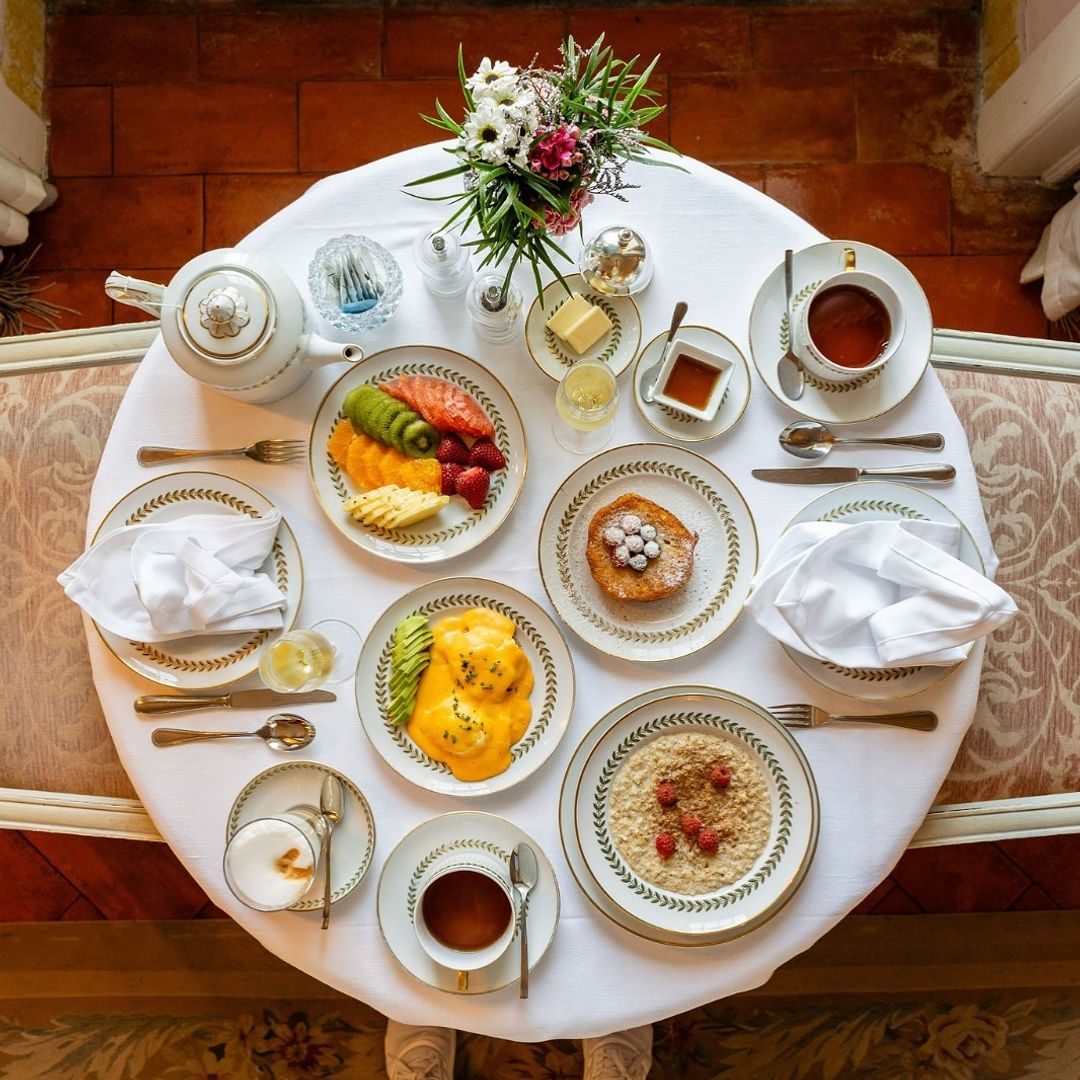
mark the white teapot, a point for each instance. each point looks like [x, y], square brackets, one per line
[236, 322]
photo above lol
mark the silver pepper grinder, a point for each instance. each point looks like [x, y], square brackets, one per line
[444, 263]
[495, 312]
[616, 261]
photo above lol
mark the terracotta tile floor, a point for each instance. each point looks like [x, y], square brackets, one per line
[180, 127]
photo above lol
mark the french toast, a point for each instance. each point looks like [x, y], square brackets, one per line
[663, 575]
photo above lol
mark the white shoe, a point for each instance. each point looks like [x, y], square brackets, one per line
[419, 1053]
[622, 1055]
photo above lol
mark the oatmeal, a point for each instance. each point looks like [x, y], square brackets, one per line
[705, 813]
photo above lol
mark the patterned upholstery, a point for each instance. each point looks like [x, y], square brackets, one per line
[1025, 440]
[53, 428]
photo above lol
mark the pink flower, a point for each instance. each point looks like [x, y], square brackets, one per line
[560, 224]
[556, 153]
[580, 198]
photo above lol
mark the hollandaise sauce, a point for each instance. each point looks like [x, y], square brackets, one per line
[472, 704]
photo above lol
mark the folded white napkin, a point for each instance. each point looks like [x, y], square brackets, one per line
[1057, 261]
[196, 575]
[875, 595]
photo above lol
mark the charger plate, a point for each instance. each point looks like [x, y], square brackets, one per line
[880, 500]
[706, 502]
[400, 878]
[456, 528]
[299, 783]
[208, 660]
[734, 909]
[552, 696]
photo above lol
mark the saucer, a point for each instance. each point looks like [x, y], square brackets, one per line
[400, 878]
[678, 425]
[295, 783]
[864, 398]
[880, 500]
[617, 348]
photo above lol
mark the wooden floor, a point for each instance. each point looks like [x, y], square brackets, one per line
[179, 127]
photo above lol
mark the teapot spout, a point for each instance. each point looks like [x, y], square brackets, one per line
[137, 293]
[319, 350]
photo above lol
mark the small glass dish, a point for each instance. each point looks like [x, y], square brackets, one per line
[322, 282]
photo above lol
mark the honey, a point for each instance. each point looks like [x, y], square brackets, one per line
[691, 381]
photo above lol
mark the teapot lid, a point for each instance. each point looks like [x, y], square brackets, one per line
[227, 315]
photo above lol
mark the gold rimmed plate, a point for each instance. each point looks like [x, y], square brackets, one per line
[870, 395]
[456, 528]
[552, 697]
[703, 499]
[617, 348]
[880, 500]
[205, 661]
[679, 425]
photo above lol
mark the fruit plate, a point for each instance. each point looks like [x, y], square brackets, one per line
[207, 660]
[788, 840]
[552, 696]
[704, 500]
[880, 500]
[456, 528]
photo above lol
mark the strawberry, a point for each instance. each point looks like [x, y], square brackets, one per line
[708, 839]
[472, 485]
[721, 777]
[665, 845]
[690, 825]
[452, 449]
[487, 455]
[666, 795]
[451, 470]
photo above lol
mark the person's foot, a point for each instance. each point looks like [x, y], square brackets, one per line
[622, 1055]
[419, 1053]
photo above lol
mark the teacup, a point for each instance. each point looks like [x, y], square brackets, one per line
[271, 863]
[465, 916]
[851, 325]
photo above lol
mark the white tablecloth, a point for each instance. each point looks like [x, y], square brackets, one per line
[713, 240]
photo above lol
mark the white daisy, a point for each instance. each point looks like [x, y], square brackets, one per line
[486, 130]
[488, 74]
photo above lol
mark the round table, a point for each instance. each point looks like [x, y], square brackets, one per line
[714, 240]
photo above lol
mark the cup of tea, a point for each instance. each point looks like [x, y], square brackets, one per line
[465, 915]
[851, 325]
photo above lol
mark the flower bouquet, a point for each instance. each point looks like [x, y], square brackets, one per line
[536, 146]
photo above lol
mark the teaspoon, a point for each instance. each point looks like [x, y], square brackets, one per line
[283, 731]
[809, 439]
[332, 808]
[789, 371]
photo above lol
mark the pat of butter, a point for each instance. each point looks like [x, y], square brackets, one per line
[580, 324]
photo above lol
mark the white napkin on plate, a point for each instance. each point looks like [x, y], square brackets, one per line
[174, 579]
[875, 595]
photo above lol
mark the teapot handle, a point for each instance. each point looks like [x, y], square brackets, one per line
[146, 295]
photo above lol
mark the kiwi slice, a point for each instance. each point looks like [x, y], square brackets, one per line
[419, 439]
[397, 429]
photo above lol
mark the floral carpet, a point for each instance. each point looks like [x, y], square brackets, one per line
[903, 998]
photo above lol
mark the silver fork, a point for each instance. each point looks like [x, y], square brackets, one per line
[270, 451]
[812, 716]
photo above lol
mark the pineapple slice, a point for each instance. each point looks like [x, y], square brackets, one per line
[393, 507]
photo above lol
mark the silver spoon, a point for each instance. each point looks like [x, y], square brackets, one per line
[648, 382]
[523, 872]
[809, 439]
[283, 731]
[789, 371]
[332, 808]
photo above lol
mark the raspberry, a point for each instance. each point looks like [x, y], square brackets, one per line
[721, 777]
[472, 486]
[708, 840]
[690, 825]
[666, 794]
[451, 470]
[452, 449]
[487, 455]
[665, 845]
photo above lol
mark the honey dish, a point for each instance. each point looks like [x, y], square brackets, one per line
[693, 380]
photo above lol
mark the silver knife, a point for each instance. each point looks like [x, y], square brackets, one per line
[840, 475]
[152, 704]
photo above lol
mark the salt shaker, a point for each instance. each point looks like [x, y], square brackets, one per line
[616, 261]
[495, 311]
[444, 263]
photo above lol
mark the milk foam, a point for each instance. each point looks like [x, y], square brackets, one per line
[253, 862]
